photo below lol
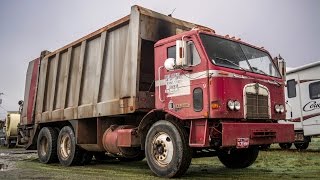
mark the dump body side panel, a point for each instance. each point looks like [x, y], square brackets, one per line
[102, 73]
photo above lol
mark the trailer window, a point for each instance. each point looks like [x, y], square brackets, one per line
[291, 87]
[314, 90]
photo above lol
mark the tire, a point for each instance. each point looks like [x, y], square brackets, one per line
[285, 145]
[139, 157]
[47, 145]
[167, 150]
[302, 146]
[68, 152]
[238, 158]
[86, 158]
[9, 144]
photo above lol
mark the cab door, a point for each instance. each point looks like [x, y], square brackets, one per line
[184, 91]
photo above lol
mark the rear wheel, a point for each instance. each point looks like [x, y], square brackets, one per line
[238, 158]
[47, 145]
[167, 151]
[68, 152]
[285, 145]
[302, 146]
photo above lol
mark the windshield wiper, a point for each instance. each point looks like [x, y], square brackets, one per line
[230, 62]
[258, 70]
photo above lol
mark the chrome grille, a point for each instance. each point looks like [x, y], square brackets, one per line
[257, 106]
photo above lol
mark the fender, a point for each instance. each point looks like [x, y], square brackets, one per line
[146, 122]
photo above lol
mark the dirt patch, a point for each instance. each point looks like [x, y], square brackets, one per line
[9, 157]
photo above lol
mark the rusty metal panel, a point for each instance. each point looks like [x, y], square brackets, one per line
[79, 78]
[41, 88]
[73, 73]
[112, 64]
[58, 104]
[128, 87]
[89, 71]
[49, 84]
[66, 78]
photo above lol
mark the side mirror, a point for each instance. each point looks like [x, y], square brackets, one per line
[282, 67]
[181, 53]
[169, 64]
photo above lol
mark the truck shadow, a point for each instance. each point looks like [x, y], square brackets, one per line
[140, 169]
[295, 150]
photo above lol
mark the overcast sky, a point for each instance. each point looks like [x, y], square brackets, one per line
[288, 27]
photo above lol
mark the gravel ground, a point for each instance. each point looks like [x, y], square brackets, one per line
[9, 157]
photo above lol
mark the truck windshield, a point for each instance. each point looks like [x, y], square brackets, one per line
[235, 55]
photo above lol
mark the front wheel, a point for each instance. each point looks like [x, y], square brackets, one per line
[285, 145]
[238, 158]
[167, 151]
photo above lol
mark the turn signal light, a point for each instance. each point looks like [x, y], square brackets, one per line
[215, 105]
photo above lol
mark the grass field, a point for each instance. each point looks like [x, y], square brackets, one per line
[271, 164]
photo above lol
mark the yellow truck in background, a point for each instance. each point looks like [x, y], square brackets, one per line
[2, 133]
[11, 123]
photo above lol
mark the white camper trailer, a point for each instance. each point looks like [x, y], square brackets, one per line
[303, 103]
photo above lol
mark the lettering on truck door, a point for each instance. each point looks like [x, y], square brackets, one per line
[186, 88]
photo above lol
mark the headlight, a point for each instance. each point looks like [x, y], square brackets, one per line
[231, 105]
[237, 105]
[281, 108]
[277, 108]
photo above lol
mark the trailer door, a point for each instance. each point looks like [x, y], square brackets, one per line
[310, 101]
[293, 104]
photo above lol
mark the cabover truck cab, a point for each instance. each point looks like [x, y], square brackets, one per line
[303, 104]
[149, 85]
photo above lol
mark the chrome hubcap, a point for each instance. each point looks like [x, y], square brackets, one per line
[65, 146]
[162, 149]
[44, 146]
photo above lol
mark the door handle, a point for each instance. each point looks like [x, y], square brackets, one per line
[159, 78]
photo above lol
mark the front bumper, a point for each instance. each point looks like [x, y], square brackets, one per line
[257, 133]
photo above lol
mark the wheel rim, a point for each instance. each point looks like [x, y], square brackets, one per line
[162, 149]
[65, 146]
[44, 145]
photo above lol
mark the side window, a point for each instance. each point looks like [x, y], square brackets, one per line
[291, 87]
[172, 52]
[193, 54]
[314, 90]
